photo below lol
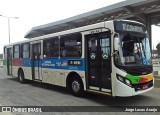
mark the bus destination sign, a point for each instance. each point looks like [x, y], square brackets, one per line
[128, 27]
[133, 27]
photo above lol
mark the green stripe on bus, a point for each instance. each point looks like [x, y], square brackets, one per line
[133, 79]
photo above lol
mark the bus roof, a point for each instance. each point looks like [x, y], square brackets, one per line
[74, 30]
[84, 19]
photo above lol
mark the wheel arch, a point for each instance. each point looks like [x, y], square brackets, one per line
[71, 76]
[20, 70]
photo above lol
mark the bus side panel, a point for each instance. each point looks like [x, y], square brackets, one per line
[62, 75]
[55, 71]
[80, 73]
[48, 75]
[15, 71]
[27, 72]
[54, 76]
[59, 76]
[25, 65]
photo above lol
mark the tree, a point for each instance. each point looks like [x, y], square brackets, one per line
[158, 48]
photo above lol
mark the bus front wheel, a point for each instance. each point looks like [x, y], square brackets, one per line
[21, 77]
[77, 87]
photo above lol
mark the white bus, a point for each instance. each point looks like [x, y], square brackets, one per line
[111, 58]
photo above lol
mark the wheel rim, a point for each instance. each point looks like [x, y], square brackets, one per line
[75, 86]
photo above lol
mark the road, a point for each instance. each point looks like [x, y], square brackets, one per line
[13, 93]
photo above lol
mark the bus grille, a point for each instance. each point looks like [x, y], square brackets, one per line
[143, 86]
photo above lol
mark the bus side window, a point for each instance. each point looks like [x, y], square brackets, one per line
[25, 50]
[51, 48]
[71, 45]
[16, 50]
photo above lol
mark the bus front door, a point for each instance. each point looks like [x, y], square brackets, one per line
[36, 61]
[98, 68]
[9, 61]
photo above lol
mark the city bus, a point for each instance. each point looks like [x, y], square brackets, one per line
[111, 57]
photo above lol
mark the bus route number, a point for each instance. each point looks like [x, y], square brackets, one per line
[75, 62]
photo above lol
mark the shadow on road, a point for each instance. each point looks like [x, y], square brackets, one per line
[42, 85]
[118, 101]
[101, 99]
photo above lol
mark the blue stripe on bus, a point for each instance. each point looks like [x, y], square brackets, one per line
[53, 63]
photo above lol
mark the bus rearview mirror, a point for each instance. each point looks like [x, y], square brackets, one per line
[116, 43]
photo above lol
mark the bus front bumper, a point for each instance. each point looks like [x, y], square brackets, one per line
[122, 90]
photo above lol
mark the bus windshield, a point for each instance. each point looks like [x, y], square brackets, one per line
[134, 49]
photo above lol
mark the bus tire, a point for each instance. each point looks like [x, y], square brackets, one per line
[76, 87]
[21, 77]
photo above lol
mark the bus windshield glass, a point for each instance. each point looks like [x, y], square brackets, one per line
[134, 47]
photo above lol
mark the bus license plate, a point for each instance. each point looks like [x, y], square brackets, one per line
[145, 87]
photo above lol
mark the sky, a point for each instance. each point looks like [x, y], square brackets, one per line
[33, 13]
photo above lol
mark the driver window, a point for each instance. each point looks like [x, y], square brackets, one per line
[127, 45]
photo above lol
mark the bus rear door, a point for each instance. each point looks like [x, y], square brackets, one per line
[98, 60]
[36, 61]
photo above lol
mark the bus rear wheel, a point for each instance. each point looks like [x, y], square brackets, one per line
[21, 77]
[76, 87]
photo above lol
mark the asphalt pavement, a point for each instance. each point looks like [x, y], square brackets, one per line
[13, 93]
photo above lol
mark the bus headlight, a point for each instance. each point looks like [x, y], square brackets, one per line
[120, 78]
[124, 80]
[128, 82]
